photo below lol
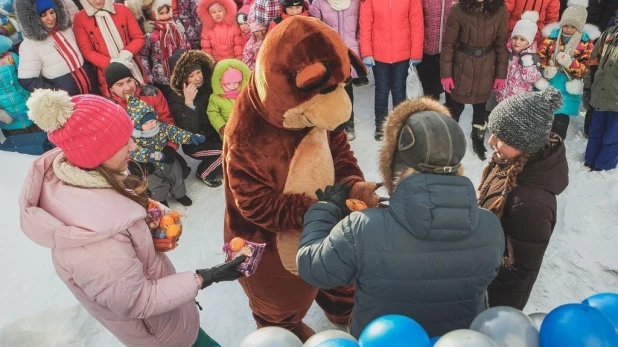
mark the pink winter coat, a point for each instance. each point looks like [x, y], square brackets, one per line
[109, 264]
[435, 14]
[391, 31]
[519, 78]
[221, 40]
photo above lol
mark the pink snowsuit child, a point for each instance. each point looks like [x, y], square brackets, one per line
[258, 32]
[221, 36]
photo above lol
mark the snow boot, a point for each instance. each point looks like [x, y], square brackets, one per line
[211, 182]
[351, 133]
[185, 201]
[478, 140]
[360, 81]
[164, 202]
[379, 135]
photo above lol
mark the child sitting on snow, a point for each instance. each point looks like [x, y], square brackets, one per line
[290, 8]
[221, 37]
[258, 33]
[565, 55]
[228, 79]
[151, 137]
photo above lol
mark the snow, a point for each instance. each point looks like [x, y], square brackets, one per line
[37, 309]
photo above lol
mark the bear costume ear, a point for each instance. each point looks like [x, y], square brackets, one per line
[312, 76]
[357, 64]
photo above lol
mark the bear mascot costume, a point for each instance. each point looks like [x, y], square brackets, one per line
[279, 148]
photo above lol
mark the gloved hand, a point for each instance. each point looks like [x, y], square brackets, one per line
[196, 139]
[526, 60]
[180, 26]
[156, 156]
[414, 62]
[447, 84]
[125, 55]
[499, 84]
[550, 72]
[170, 155]
[222, 130]
[369, 62]
[222, 272]
[148, 26]
[5, 117]
[564, 59]
[336, 194]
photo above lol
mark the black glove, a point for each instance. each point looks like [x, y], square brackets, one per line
[141, 169]
[170, 155]
[336, 194]
[222, 272]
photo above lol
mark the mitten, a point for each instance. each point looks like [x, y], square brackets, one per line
[196, 139]
[222, 130]
[148, 26]
[170, 155]
[336, 194]
[222, 272]
[550, 72]
[564, 59]
[415, 62]
[369, 62]
[447, 84]
[5, 117]
[365, 192]
[125, 55]
[527, 61]
[156, 156]
[180, 26]
[498, 84]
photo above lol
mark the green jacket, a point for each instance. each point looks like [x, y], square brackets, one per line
[604, 91]
[219, 107]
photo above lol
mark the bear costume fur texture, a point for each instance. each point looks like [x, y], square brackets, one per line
[279, 148]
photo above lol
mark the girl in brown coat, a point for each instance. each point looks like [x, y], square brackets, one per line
[526, 172]
[474, 60]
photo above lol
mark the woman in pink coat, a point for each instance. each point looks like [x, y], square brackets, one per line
[221, 36]
[109, 264]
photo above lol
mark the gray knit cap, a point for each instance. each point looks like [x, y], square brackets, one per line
[575, 14]
[524, 121]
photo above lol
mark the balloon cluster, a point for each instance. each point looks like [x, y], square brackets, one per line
[594, 322]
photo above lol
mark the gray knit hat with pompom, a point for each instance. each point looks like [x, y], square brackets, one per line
[524, 121]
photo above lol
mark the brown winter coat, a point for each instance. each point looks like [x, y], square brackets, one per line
[528, 220]
[478, 28]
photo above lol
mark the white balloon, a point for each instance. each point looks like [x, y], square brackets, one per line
[538, 318]
[465, 338]
[508, 326]
[323, 336]
[271, 337]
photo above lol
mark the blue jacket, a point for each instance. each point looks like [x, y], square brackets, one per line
[12, 96]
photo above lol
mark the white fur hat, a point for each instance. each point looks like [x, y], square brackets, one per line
[157, 4]
[526, 26]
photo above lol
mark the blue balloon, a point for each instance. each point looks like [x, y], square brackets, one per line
[433, 340]
[607, 303]
[577, 325]
[394, 331]
[338, 343]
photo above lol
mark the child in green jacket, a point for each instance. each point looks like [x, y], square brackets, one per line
[228, 79]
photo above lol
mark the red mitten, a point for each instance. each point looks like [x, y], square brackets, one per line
[365, 192]
[222, 130]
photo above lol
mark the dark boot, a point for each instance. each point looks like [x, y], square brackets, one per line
[185, 201]
[379, 134]
[164, 202]
[351, 133]
[212, 182]
[478, 141]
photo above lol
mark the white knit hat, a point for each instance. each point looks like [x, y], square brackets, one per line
[526, 26]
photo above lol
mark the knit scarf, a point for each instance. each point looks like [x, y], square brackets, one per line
[569, 48]
[339, 5]
[231, 94]
[146, 133]
[171, 40]
[113, 41]
[75, 176]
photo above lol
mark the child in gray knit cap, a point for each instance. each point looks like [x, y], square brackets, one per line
[526, 172]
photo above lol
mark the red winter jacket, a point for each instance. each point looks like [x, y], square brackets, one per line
[221, 40]
[91, 43]
[391, 30]
[548, 10]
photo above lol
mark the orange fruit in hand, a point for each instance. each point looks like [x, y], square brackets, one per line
[355, 204]
[236, 244]
[173, 231]
[176, 215]
[166, 221]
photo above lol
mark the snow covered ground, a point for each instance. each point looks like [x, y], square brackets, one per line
[36, 308]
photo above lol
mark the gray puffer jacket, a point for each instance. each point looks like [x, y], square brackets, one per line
[429, 256]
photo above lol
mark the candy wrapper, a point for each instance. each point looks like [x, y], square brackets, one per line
[252, 250]
[165, 226]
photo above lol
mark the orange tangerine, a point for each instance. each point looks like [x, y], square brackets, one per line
[236, 244]
[166, 221]
[173, 231]
[176, 215]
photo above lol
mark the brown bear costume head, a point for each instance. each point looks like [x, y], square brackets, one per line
[301, 84]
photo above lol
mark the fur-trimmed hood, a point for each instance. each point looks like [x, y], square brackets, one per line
[489, 7]
[221, 67]
[230, 12]
[591, 31]
[182, 65]
[30, 21]
[392, 127]
[90, 11]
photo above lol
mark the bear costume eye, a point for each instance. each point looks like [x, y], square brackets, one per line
[312, 77]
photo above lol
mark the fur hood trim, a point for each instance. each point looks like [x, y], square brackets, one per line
[31, 24]
[204, 16]
[591, 32]
[185, 62]
[472, 6]
[137, 7]
[393, 125]
[90, 11]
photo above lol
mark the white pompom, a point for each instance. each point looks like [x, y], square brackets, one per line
[583, 3]
[532, 16]
[575, 87]
[49, 109]
[541, 84]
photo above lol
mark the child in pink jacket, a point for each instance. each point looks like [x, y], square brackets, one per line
[221, 36]
[109, 264]
[258, 33]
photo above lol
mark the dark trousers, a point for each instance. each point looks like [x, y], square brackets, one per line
[429, 74]
[209, 153]
[479, 115]
[390, 79]
[561, 125]
[31, 129]
[350, 90]
[602, 148]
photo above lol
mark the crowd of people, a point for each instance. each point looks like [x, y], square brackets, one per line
[177, 67]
